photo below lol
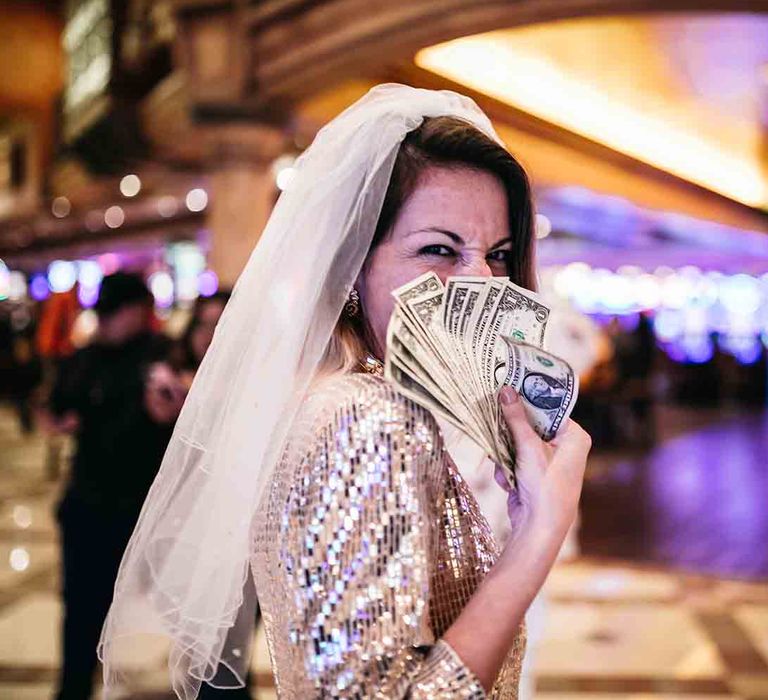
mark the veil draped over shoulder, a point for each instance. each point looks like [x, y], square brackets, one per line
[185, 574]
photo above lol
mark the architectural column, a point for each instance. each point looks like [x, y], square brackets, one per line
[242, 193]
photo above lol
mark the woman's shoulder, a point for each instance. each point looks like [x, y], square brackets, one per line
[366, 396]
[360, 413]
[356, 430]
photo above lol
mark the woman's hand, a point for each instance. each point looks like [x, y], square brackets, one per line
[541, 510]
[549, 475]
[59, 425]
[164, 394]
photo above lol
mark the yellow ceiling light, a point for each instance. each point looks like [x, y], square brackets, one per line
[490, 65]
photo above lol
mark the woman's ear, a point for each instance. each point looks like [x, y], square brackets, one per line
[359, 283]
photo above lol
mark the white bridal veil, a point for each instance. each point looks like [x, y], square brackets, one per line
[185, 575]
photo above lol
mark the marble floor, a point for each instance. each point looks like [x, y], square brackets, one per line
[609, 625]
[695, 501]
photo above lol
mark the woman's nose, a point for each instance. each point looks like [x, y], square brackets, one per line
[477, 267]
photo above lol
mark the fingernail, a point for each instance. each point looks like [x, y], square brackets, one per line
[508, 395]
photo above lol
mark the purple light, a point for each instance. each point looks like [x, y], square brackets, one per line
[748, 356]
[601, 319]
[690, 349]
[698, 349]
[675, 352]
[207, 283]
[38, 288]
[109, 263]
[629, 322]
[746, 349]
[88, 295]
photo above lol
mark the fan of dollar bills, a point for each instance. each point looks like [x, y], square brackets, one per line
[451, 347]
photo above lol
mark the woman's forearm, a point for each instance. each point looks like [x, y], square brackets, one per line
[486, 629]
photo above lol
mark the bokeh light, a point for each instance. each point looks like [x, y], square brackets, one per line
[22, 516]
[740, 294]
[109, 263]
[207, 283]
[647, 292]
[167, 206]
[283, 169]
[17, 286]
[89, 273]
[114, 217]
[130, 185]
[60, 207]
[38, 288]
[161, 286]
[94, 220]
[698, 348]
[543, 226]
[19, 559]
[746, 349]
[688, 306]
[88, 296]
[62, 276]
[668, 324]
[197, 199]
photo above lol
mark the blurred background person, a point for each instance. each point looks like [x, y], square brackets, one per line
[191, 347]
[120, 400]
[53, 343]
[20, 369]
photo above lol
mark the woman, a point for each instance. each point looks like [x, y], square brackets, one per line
[376, 572]
[198, 334]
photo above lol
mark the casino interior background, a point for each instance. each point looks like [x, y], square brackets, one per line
[155, 137]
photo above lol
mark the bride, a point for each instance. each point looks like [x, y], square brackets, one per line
[297, 472]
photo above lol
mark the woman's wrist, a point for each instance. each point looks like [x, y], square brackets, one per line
[486, 629]
[536, 542]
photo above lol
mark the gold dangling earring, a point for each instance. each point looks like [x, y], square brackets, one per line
[352, 307]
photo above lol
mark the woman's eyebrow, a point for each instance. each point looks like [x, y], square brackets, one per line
[455, 237]
[500, 243]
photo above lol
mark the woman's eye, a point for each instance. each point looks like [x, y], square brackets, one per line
[441, 250]
[500, 256]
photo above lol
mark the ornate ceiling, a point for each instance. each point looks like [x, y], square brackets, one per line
[685, 92]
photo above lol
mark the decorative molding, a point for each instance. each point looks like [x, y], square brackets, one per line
[293, 48]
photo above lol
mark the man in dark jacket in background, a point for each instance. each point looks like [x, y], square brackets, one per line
[120, 400]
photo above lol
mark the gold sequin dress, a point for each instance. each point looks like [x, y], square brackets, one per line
[367, 546]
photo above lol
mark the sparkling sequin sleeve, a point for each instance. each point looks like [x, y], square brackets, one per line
[358, 533]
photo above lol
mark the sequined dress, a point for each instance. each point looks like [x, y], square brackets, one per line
[367, 546]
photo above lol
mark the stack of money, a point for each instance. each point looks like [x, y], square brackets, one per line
[450, 348]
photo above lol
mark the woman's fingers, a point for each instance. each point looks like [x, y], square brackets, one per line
[549, 474]
[527, 442]
[561, 434]
[572, 442]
